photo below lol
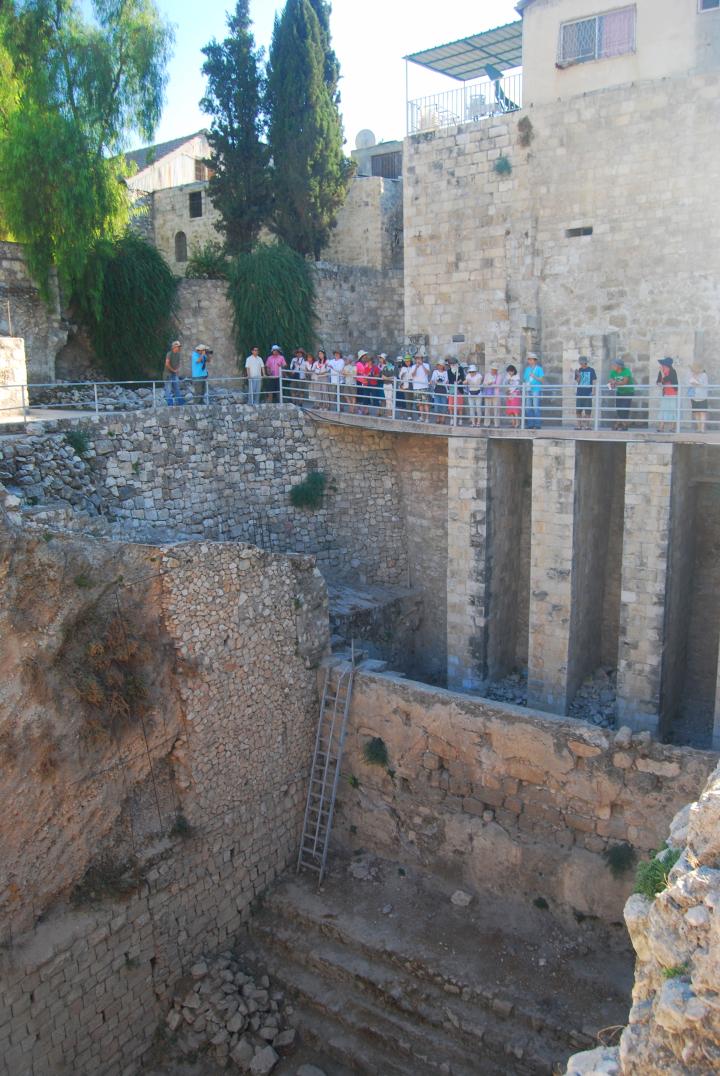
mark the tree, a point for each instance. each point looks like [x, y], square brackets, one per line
[309, 171]
[332, 65]
[82, 87]
[240, 184]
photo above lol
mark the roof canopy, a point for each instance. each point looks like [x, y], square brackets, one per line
[467, 58]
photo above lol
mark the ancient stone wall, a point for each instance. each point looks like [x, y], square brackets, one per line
[13, 373]
[369, 228]
[24, 314]
[505, 799]
[157, 826]
[488, 255]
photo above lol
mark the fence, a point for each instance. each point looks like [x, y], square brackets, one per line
[554, 406]
[469, 103]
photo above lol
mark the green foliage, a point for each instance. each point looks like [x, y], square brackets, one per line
[353, 781]
[620, 859]
[273, 299]
[541, 903]
[651, 877]
[240, 184]
[208, 262]
[84, 582]
[502, 166]
[310, 493]
[181, 827]
[676, 971]
[310, 173]
[375, 752]
[78, 441]
[127, 300]
[72, 89]
[526, 131]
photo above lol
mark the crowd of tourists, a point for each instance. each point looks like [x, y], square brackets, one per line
[444, 391]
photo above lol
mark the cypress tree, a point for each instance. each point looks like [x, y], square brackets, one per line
[332, 66]
[309, 171]
[240, 184]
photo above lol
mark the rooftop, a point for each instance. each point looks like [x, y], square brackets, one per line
[149, 155]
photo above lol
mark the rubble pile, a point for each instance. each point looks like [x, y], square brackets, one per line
[234, 1017]
[116, 397]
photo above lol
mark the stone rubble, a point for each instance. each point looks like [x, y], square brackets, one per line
[238, 1019]
[595, 700]
[111, 397]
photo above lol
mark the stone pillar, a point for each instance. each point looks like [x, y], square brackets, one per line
[645, 551]
[13, 374]
[551, 560]
[715, 744]
[466, 563]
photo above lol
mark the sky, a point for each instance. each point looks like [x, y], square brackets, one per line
[370, 37]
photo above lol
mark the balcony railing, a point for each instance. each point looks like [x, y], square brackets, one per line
[470, 103]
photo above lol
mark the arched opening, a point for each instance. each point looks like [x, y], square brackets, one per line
[180, 247]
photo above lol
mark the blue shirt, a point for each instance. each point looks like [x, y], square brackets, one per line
[532, 376]
[585, 377]
[199, 364]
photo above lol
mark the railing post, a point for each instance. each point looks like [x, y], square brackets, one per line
[393, 413]
[523, 414]
[678, 418]
[154, 397]
[280, 379]
[455, 404]
[337, 397]
[95, 393]
[24, 396]
[598, 406]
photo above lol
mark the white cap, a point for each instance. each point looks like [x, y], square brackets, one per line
[362, 354]
[275, 347]
[202, 347]
[383, 355]
[472, 369]
[531, 355]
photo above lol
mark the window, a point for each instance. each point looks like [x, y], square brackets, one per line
[709, 5]
[195, 203]
[597, 38]
[180, 247]
[387, 165]
[200, 170]
[577, 233]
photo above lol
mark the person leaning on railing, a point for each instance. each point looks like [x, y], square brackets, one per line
[404, 388]
[622, 384]
[171, 376]
[667, 378]
[698, 394]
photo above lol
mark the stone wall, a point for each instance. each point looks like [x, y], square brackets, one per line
[369, 228]
[155, 832]
[24, 314]
[13, 373]
[488, 256]
[506, 799]
[673, 1025]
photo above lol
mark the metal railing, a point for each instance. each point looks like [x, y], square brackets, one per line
[507, 407]
[469, 103]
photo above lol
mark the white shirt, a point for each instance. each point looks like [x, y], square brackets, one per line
[439, 377]
[254, 366]
[420, 376]
[336, 368]
[474, 382]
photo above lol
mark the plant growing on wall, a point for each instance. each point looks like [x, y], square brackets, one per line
[130, 320]
[240, 182]
[310, 493]
[652, 875]
[272, 294]
[375, 752]
[502, 166]
[208, 262]
[526, 131]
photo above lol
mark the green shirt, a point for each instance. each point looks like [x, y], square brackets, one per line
[622, 375]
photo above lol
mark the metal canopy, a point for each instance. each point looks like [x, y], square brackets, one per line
[466, 59]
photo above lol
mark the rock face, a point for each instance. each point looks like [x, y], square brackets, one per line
[674, 1023]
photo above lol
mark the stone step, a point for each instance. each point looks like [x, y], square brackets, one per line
[308, 921]
[470, 1026]
[376, 1040]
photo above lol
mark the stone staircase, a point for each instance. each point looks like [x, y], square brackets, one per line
[420, 985]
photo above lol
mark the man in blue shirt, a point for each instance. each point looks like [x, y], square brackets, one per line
[533, 378]
[200, 358]
[585, 378]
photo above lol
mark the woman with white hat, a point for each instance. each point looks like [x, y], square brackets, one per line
[491, 392]
[473, 383]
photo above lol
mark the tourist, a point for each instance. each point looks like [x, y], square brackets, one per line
[336, 366]
[623, 385]
[308, 367]
[439, 389]
[513, 399]
[667, 379]
[456, 389]
[387, 373]
[533, 378]
[698, 394]
[296, 374]
[421, 387]
[404, 388]
[255, 370]
[491, 394]
[349, 384]
[274, 366]
[473, 384]
[585, 378]
[200, 359]
[320, 379]
[374, 383]
[362, 370]
[171, 376]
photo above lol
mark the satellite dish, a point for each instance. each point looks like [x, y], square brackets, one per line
[365, 140]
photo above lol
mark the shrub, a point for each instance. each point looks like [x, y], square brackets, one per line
[273, 299]
[375, 752]
[676, 971]
[620, 859]
[78, 441]
[652, 875]
[181, 826]
[502, 166]
[310, 493]
[353, 781]
[208, 262]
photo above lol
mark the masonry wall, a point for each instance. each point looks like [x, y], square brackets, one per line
[181, 829]
[13, 373]
[474, 784]
[25, 315]
[681, 555]
[487, 256]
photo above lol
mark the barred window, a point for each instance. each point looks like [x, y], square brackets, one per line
[598, 37]
[195, 203]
